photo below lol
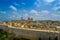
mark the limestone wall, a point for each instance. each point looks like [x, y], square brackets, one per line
[35, 35]
[4, 27]
[31, 34]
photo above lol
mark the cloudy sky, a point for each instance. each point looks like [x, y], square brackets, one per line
[37, 9]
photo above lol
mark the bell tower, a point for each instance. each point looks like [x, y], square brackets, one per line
[30, 19]
[22, 18]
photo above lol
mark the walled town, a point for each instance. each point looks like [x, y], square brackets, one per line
[33, 29]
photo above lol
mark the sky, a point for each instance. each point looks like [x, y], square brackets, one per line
[37, 9]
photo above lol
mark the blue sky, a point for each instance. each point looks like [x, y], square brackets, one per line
[37, 9]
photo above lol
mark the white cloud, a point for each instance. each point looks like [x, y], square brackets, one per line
[49, 1]
[3, 12]
[37, 3]
[55, 15]
[25, 15]
[23, 3]
[14, 17]
[45, 11]
[16, 4]
[56, 8]
[25, 11]
[58, 1]
[34, 12]
[13, 7]
[16, 13]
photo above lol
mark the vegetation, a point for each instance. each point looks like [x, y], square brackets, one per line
[9, 36]
[3, 35]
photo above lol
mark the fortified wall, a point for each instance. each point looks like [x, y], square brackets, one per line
[32, 34]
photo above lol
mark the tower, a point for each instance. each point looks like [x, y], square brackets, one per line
[30, 19]
[22, 18]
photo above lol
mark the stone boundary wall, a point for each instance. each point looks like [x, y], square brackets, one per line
[35, 35]
[4, 27]
[31, 34]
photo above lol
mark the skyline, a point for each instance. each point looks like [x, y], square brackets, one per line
[37, 9]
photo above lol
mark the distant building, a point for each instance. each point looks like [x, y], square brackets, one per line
[30, 18]
[58, 28]
[22, 18]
